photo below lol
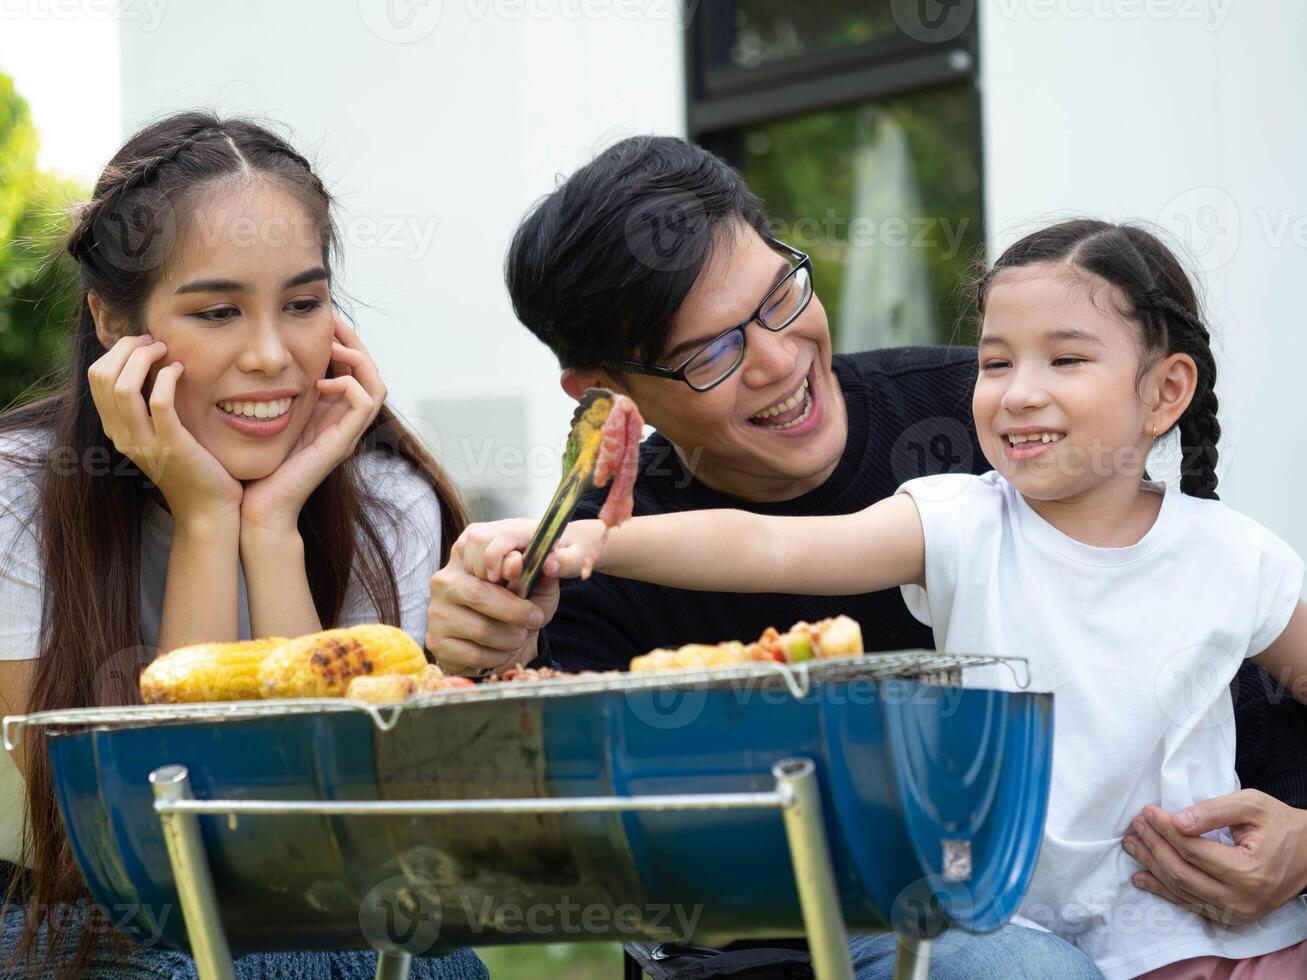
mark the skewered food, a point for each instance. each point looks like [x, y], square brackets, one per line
[619, 458]
[603, 445]
[838, 636]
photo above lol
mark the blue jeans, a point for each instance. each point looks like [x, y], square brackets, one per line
[1011, 953]
[155, 963]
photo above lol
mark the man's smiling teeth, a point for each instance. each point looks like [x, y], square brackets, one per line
[1017, 440]
[257, 410]
[792, 402]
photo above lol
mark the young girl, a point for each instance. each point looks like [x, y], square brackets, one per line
[218, 463]
[1134, 604]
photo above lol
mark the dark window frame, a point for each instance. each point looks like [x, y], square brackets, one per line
[721, 100]
[724, 101]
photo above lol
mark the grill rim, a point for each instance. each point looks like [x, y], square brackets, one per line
[798, 678]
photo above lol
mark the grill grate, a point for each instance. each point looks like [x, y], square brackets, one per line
[926, 666]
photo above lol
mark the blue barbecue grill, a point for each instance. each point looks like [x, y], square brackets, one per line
[861, 794]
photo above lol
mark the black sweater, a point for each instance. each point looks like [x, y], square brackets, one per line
[909, 411]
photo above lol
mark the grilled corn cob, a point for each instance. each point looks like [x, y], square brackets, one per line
[207, 672]
[321, 665]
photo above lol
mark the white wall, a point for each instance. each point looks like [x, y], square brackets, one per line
[1185, 112]
[436, 134]
[1188, 113]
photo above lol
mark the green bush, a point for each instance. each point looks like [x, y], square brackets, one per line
[38, 282]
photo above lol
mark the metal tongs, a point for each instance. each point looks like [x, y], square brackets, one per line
[579, 460]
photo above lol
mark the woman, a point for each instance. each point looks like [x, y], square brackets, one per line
[218, 464]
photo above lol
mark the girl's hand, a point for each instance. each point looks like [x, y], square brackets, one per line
[195, 485]
[347, 404]
[577, 551]
[493, 551]
[1266, 867]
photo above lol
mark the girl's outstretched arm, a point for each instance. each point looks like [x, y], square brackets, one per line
[1286, 658]
[735, 551]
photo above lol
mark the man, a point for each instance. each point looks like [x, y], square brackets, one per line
[651, 271]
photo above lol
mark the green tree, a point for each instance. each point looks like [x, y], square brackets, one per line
[38, 282]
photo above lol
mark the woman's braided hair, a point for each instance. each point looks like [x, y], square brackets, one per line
[123, 236]
[1162, 302]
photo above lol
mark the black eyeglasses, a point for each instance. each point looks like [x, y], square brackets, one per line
[717, 360]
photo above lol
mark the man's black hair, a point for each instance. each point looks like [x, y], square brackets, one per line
[599, 267]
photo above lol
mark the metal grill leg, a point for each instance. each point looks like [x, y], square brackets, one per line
[822, 917]
[393, 966]
[911, 958]
[190, 869]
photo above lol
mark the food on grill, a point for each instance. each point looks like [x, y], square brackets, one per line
[321, 665]
[693, 655]
[619, 459]
[382, 688]
[516, 673]
[434, 679]
[835, 637]
[603, 445]
[317, 665]
[207, 672]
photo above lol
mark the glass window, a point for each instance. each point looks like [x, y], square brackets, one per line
[768, 31]
[886, 198]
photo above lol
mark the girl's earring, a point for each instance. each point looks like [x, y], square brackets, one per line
[1154, 432]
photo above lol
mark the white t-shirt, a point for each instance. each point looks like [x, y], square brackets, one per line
[1138, 645]
[413, 548]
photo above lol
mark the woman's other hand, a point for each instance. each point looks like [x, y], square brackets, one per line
[1266, 866]
[193, 482]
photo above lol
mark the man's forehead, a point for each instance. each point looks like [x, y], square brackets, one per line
[732, 282]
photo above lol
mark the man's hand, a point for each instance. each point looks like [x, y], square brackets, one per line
[1266, 867]
[474, 625]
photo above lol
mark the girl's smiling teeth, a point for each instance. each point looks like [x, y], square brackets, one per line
[258, 410]
[1017, 439]
[778, 416]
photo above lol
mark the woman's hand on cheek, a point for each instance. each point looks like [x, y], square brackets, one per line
[195, 484]
[346, 405]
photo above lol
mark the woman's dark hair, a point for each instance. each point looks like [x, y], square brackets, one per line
[599, 267]
[89, 517]
[1162, 303]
